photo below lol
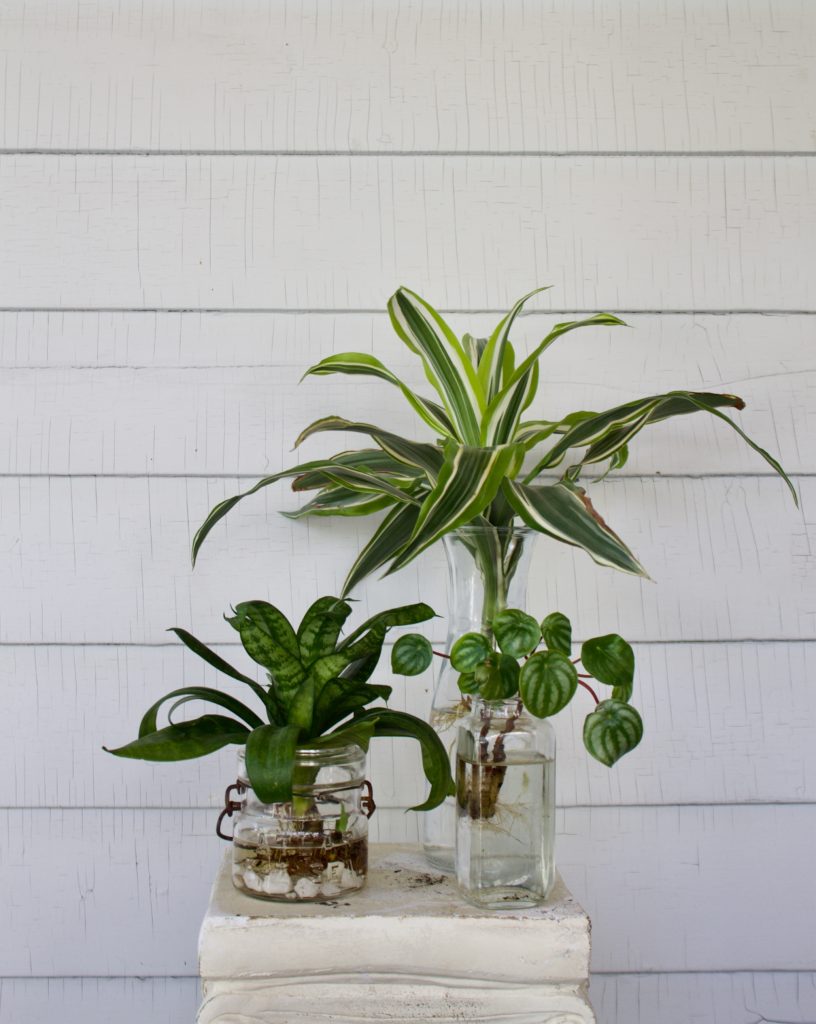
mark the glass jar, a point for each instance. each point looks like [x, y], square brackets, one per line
[488, 569]
[505, 804]
[312, 848]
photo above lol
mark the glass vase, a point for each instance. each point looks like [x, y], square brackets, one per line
[505, 806]
[314, 847]
[488, 569]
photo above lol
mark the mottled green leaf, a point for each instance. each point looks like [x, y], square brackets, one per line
[556, 629]
[411, 654]
[516, 632]
[185, 740]
[609, 659]
[320, 627]
[548, 683]
[497, 677]
[468, 651]
[612, 730]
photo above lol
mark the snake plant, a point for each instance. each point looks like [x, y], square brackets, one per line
[318, 696]
[492, 461]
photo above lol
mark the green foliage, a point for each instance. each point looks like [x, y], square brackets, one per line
[318, 694]
[474, 472]
[545, 681]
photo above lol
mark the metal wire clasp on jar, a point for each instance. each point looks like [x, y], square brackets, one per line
[312, 848]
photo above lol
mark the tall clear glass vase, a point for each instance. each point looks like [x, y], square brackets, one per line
[488, 570]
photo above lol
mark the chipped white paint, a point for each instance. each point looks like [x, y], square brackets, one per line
[90, 560]
[409, 75]
[340, 232]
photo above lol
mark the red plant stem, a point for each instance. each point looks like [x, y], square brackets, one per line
[586, 686]
[439, 654]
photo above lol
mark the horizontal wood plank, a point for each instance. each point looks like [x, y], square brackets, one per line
[725, 723]
[653, 881]
[217, 393]
[342, 233]
[125, 1000]
[589, 76]
[107, 559]
[724, 998]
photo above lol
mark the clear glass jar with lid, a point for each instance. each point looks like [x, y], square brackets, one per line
[314, 847]
[505, 802]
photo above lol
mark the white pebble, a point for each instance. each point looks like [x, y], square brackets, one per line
[306, 889]
[277, 883]
[252, 881]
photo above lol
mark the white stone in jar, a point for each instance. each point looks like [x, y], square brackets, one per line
[306, 888]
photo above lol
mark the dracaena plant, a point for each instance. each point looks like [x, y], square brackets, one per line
[492, 461]
[531, 661]
[318, 695]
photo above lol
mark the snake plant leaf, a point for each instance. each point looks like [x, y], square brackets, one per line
[505, 408]
[269, 639]
[411, 654]
[404, 615]
[492, 362]
[217, 662]
[468, 651]
[320, 627]
[389, 538]
[270, 762]
[467, 483]
[547, 683]
[185, 740]
[448, 368]
[435, 760]
[301, 707]
[149, 721]
[612, 730]
[341, 501]
[566, 513]
[338, 699]
[497, 678]
[610, 659]
[516, 632]
[556, 629]
[415, 455]
[360, 363]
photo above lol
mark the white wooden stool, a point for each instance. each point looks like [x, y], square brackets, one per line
[407, 948]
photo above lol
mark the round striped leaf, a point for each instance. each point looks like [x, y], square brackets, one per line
[411, 654]
[548, 683]
[470, 650]
[467, 683]
[610, 659]
[557, 632]
[612, 730]
[516, 632]
[497, 677]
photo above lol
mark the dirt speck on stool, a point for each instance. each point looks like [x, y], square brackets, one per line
[425, 879]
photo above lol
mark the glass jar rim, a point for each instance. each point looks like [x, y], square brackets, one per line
[328, 755]
[470, 529]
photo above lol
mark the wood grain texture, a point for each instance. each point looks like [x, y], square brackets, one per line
[724, 723]
[742, 998]
[733, 558]
[342, 233]
[218, 393]
[666, 888]
[357, 76]
[96, 1000]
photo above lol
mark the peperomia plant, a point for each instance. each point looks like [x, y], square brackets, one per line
[488, 465]
[318, 695]
[512, 664]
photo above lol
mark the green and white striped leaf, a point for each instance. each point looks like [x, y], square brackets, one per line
[467, 483]
[341, 501]
[612, 730]
[547, 683]
[492, 362]
[370, 483]
[516, 632]
[367, 365]
[408, 455]
[390, 537]
[610, 659]
[474, 348]
[411, 654]
[373, 460]
[502, 408]
[468, 651]
[566, 514]
[447, 366]
[556, 629]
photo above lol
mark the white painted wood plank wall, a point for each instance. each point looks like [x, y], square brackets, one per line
[198, 200]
